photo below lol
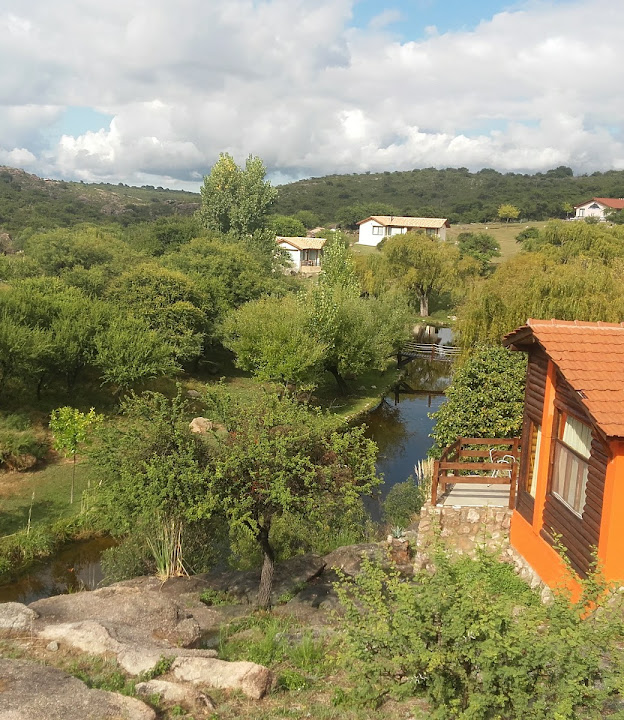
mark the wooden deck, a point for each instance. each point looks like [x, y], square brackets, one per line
[477, 471]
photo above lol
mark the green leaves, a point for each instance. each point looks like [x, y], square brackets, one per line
[478, 643]
[485, 398]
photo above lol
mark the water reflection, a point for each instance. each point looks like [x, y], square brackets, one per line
[401, 425]
[76, 567]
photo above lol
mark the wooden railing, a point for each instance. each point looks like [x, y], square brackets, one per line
[494, 461]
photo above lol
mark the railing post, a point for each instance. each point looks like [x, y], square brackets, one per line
[434, 483]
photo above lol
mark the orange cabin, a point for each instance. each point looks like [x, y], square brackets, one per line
[571, 478]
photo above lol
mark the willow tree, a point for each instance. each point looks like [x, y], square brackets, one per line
[421, 265]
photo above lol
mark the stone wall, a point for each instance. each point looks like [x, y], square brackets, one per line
[464, 529]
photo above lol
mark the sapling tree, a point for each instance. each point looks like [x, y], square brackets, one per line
[70, 428]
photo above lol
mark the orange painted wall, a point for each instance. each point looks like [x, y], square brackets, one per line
[611, 544]
[541, 556]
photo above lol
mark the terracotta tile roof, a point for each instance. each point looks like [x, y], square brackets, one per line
[590, 355]
[302, 243]
[402, 221]
[614, 203]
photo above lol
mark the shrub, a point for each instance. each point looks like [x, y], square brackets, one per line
[21, 449]
[403, 502]
[479, 644]
[131, 558]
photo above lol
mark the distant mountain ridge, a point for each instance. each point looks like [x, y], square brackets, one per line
[28, 201]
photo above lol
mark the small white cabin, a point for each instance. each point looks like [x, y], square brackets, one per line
[598, 207]
[305, 253]
[375, 228]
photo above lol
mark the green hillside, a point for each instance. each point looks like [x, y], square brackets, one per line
[29, 201]
[460, 195]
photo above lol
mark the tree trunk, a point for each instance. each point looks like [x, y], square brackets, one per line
[424, 305]
[268, 569]
[342, 385]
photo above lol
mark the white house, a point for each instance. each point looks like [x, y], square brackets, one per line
[598, 207]
[305, 252]
[375, 228]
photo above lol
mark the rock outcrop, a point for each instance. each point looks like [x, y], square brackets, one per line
[31, 691]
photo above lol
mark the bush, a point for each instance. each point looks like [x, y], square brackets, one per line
[403, 502]
[478, 643]
[21, 449]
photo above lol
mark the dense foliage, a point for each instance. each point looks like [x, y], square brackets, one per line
[478, 643]
[485, 398]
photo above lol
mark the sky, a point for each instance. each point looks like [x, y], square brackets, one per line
[151, 92]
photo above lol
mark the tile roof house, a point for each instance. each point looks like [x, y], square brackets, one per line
[374, 229]
[571, 478]
[305, 253]
[598, 207]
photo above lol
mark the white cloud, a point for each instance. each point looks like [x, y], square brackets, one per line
[290, 81]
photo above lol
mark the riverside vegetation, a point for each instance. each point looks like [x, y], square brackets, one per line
[127, 319]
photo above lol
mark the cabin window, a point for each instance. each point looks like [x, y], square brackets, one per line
[594, 207]
[378, 230]
[581, 212]
[431, 231]
[535, 441]
[570, 467]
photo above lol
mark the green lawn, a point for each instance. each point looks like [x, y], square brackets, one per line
[51, 487]
[505, 233]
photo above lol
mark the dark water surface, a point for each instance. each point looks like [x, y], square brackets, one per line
[401, 425]
[75, 567]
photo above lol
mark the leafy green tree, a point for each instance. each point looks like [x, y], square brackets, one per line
[480, 246]
[169, 302]
[567, 208]
[529, 233]
[420, 265]
[281, 457]
[309, 219]
[485, 398]
[287, 226]
[128, 352]
[70, 429]
[270, 338]
[234, 199]
[508, 212]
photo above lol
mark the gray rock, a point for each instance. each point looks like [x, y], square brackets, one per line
[251, 679]
[193, 394]
[52, 646]
[200, 425]
[136, 614]
[170, 692]
[15, 618]
[348, 559]
[86, 635]
[31, 691]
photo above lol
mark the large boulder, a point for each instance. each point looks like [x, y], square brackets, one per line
[251, 679]
[137, 614]
[15, 618]
[348, 559]
[31, 691]
[175, 693]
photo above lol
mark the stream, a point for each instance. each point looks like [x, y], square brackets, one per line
[400, 425]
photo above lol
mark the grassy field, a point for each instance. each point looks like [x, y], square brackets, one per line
[505, 233]
[51, 488]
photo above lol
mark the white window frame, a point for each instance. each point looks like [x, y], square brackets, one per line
[378, 230]
[570, 470]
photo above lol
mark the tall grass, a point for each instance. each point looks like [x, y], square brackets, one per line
[166, 548]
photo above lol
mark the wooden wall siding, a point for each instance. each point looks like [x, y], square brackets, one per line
[533, 407]
[579, 535]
